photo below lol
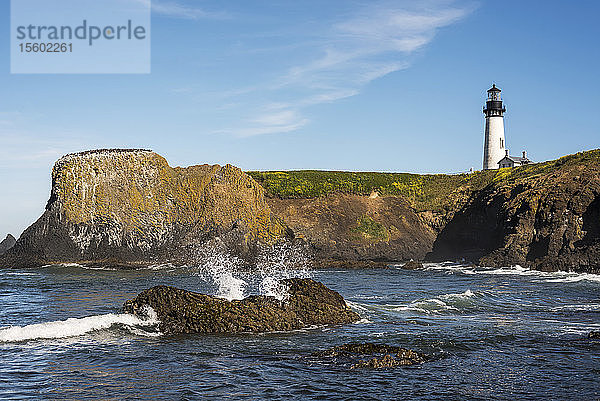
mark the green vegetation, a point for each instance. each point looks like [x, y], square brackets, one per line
[371, 229]
[424, 192]
[435, 192]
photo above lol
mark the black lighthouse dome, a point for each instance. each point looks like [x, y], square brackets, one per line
[493, 105]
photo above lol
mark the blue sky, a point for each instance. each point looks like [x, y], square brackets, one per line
[344, 85]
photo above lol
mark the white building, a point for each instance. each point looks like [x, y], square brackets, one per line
[513, 161]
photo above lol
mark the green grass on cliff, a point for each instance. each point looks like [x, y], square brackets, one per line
[435, 192]
[424, 192]
[371, 229]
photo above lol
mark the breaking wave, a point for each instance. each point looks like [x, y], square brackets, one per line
[74, 327]
[550, 277]
[443, 304]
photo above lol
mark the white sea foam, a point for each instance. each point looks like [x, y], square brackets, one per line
[517, 270]
[578, 308]
[280, 262]
[75, 326]
[220, 268]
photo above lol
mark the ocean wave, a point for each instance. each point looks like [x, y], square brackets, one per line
[578, 308]
[517, 270]
[452, 303]
[74, 327]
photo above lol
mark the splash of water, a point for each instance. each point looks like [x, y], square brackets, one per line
[232, 280]
[279, 262]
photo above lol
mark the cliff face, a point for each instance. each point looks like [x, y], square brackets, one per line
[129, 206]
[354, 228]
[544, 216]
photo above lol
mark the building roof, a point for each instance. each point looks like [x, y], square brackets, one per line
[516, 159]
[494, 89]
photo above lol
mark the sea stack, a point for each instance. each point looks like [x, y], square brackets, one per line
[7, 243]
[128, 207]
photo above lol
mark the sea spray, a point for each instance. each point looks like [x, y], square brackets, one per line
[233, 279]
[220, 269]
[279, 262]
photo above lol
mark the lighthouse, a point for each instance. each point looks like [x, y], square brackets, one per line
[494, 146]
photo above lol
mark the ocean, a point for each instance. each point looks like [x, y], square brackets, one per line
[488, 334]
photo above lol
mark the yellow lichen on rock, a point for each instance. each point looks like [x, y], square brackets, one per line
[137, 191]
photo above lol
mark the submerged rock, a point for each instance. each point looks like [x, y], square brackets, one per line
[383, 356]
[412, 265]
[594, 334]
[308, 303]
[7, 243]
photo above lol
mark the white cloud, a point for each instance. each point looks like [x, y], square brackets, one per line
[375, 41]
[178, 10]
[270, 122]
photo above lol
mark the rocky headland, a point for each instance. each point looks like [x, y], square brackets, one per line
[7, 243]
[130, 208]
[305, 303]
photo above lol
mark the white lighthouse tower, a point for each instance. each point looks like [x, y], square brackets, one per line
[494, 146]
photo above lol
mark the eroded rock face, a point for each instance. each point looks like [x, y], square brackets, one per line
[130, 207]
[544, 216]
[381, 355]
[308, 303]
[357, 228]
[7, 243]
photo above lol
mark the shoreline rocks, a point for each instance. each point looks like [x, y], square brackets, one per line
[412, 265]
[307, 303]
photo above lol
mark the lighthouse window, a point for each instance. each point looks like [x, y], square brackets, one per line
[501, 142]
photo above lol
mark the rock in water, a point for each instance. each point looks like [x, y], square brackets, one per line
[128, 207]
[382, 355]
[308, 303]
[412, 265]
[7, 243]
[594, 334]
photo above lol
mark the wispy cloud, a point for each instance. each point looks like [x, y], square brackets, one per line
[372, 42]
[23, 149]
[181, 10]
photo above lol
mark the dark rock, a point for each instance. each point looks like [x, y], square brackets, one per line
[383, 356]
[537, 216]
[594, 334]
[412, 265]
[348, 264]
[308, 303]
[7, 243]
